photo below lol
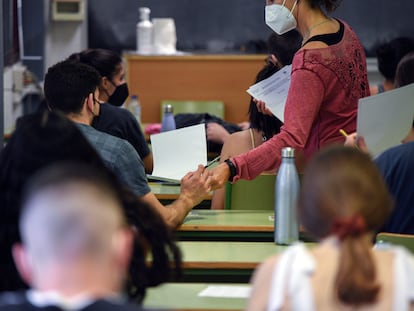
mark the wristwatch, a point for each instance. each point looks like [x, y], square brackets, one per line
[232, 168]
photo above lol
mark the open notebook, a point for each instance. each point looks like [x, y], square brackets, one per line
[178, 152]
[385, 119]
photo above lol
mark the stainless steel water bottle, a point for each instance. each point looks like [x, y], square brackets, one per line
[286, 193]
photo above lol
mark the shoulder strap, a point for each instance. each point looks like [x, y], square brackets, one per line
[252, 138]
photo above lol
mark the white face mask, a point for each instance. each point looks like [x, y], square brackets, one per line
[279, 18]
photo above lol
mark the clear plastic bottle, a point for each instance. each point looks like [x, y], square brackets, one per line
[134, 106]
[144, 32]
[286, 193]
[168, 121]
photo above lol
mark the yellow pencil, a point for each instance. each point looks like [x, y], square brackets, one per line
[343, 133]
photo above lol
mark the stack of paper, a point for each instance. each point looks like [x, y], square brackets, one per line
[273, 91]
[178, 152]
[226, 291]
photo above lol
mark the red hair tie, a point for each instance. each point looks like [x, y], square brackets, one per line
[350, 226]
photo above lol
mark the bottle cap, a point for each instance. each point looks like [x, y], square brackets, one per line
[288, 152]
[168, 108]
[144, 13]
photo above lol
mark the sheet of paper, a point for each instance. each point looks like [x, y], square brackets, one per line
[273, 91]
[385, 119]
[226, 291]
[178, 152]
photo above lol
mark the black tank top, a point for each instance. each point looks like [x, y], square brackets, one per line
[330, 38]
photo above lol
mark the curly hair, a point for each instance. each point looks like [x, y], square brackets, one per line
[68, 83]
[41, 140]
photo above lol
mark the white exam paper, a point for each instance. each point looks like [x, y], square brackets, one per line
[385, 119]
[273, 91]
[226, 291]
[178, 152]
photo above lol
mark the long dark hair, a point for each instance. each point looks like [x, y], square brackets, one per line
[41, 140]
[268, 125]
[283, 47]
[106, 62]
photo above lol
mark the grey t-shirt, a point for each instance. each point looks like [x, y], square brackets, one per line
[120, 156]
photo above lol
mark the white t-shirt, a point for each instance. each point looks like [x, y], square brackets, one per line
[291, 277]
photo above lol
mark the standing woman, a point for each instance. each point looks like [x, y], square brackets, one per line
[114, 90]
[329, 76]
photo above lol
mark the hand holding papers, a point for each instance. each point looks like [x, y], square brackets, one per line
[385, 119]
[178, 152]
[273, 91]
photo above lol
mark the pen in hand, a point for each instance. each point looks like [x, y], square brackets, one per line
[216, 159]
[345, 134]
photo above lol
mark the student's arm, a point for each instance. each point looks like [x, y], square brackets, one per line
[194, 188]
[148, 163]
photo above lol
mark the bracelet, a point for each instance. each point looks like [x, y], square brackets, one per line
[232, 168]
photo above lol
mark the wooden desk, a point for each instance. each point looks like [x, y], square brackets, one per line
[230, 225]
[234, 262]
[193, 77]
[184, 296]
[227, 225]
[165, 191]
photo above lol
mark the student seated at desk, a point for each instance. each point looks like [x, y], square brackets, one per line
[389, 55]
[397, 164]
[262, 127]
[73, 89]
[113, 92]
[41, 140]
[343, 202]
[76, 243]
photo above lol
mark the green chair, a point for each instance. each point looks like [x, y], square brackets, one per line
[251, 194]
[213, 107]
[406, 240]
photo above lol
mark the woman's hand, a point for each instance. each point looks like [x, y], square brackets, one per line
[261, 106]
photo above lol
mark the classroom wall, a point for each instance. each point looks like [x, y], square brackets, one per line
[63, 38]
[234, 25]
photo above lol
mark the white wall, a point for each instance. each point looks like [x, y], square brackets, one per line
[63, 38]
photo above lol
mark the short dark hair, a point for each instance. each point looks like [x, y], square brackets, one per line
[405, 71]
[66, 172]
[106, 62]
[389, 55]
[68, 84]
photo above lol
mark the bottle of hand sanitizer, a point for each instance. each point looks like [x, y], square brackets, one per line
[144, 32]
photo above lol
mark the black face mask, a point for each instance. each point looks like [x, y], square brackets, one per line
[120, 95]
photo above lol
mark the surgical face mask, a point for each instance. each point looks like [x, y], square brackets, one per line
[120, 95]
[279, 18]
